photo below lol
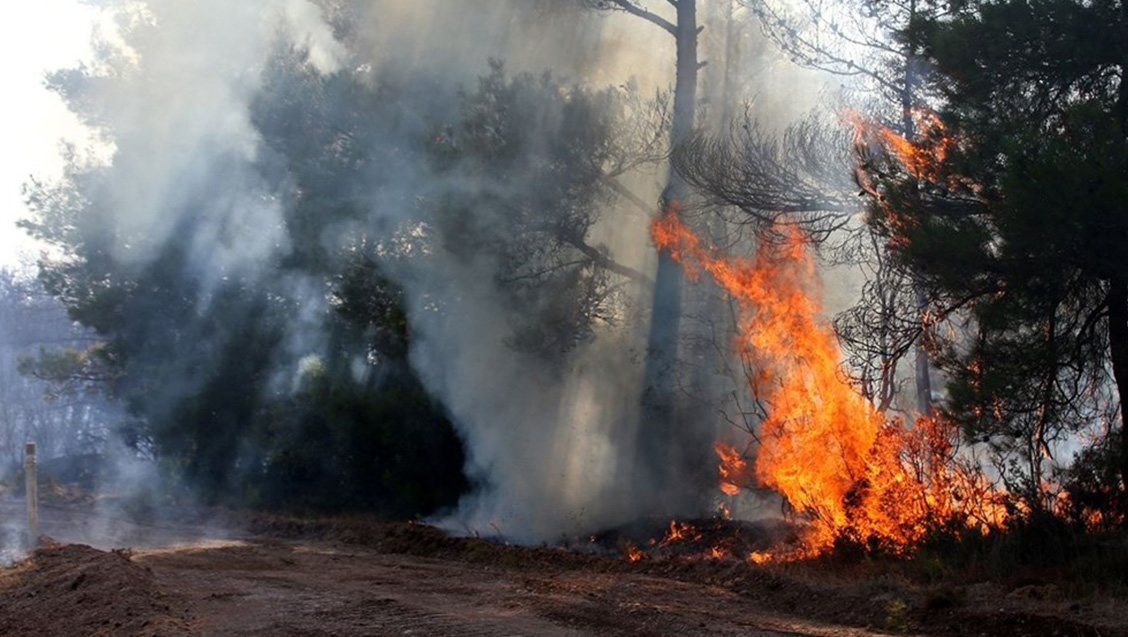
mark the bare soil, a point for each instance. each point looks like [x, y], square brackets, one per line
[356, 577]
[76, 590]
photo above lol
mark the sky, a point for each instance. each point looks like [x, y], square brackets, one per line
[35, 36]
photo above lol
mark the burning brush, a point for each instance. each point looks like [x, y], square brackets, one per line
[847, 470]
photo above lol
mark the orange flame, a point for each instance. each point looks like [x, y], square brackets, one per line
[632, 552]
[759, 557]
[836, 461]
[922, 157]
[733, 469]
[729, 488]
[680, 532]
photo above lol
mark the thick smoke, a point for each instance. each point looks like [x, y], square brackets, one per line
[185, 129]
[550, 448]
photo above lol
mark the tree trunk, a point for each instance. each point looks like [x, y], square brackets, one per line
[1118, 289]
[659, 440]
[729, 93]
[908, 101]
[1118, 341]
[923, 371]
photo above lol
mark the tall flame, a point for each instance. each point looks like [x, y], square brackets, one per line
[840, 464]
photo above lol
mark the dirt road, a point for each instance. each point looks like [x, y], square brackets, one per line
[319, 589]
[357, 577]
[195, 579]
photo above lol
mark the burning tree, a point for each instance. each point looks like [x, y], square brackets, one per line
[852, 474]
[992, 225]
[1014, 221]
[802, 176]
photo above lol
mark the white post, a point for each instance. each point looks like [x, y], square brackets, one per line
[32, 497]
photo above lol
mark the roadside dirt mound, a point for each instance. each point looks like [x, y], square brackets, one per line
[73, 589]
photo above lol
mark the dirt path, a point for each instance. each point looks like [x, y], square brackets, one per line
[195, 579]
[321, 589]
[347, 577]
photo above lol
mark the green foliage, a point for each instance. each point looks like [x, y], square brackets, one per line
[286, 383]
[1092, 482]
[525, 174]
[1039, 546]
[1017, 233]
[896, 620]
[366, 299]
[200, 358]
[339, 446]
[70, 370]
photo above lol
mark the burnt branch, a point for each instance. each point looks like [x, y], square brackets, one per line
[800, 178]
[626, 6]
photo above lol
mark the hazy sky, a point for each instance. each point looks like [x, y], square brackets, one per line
[35, 36]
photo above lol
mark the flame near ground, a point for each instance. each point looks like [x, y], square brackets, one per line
[847, 471]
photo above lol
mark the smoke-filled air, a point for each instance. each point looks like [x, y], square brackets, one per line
[678, 287]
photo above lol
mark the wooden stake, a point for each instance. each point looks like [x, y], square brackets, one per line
[32, 496]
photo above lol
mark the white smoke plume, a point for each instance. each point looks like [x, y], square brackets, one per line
[548, 450]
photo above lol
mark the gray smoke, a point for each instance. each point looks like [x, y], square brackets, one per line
[548, 448]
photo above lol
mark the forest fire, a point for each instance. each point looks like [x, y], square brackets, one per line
[922, 158]
[845, 469]
[921, 154]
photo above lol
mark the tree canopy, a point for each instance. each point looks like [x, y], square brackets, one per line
[287, 380]
[1011, 213]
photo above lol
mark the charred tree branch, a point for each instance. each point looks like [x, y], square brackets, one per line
[627, 6]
